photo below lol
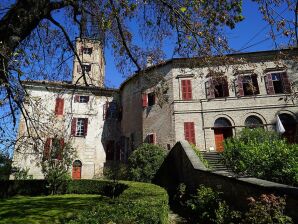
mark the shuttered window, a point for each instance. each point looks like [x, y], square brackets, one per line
[189, 132]
[53, 149]
[186, 89]
[217, 87]
[151, 138]
[277, 82]
[247, 85]
[79, 127]
[59, 107]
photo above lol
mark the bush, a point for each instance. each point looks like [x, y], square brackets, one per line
[262, 154]
[144, 162]
[208, 207]
[268, 209]
[139, 203]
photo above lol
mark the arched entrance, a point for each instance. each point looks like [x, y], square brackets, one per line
[76, 170]
[222, 130]
[289, 124]
[253, 122]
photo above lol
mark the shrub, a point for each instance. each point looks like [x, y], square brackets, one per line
[199, 154]
[139, 203]
[262, 154]
[268, 209]
[208, 207]
[144, 162]
[5, 166]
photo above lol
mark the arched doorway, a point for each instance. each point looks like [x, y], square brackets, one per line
[289, 124]
[222, 130]
[76, 170]
[253, 122]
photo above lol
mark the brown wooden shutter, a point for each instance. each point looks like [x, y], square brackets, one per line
[186, 89]
[154, 138]
[254, 78]
[79, 68]
[286, 83]
[76, 98]
[144, 100]
[240, 91]
[59, 107]
[189, 132]
[209, 86]
[47, 148]
[269, 84]
[61, 147]
[73, 126]
[85, 126]
[225, 85]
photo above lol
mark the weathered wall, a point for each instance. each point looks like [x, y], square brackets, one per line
[203, 112]
[90, 150]
[183, 166]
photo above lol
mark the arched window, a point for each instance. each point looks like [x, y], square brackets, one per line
[222, 123]
[253, 122]
[289, 124]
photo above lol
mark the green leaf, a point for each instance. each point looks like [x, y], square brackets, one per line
[183, 9]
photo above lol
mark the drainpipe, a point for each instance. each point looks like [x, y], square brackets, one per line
[203, 124]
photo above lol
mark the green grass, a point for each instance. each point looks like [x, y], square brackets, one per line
[44, 209]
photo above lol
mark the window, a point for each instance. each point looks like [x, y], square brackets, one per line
[79, 127]
[277, 82]
[87, 50]
[186, 89]
[217, 87]
[247, 85]
[86, 68]
[81, 99]
[253, 122]
[189, 132]
[53, 148]
[151, 99]
[59, 107]
[151, 138]
[148, 99]
[110, 110]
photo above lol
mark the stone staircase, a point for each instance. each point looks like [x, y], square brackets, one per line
[215, 161]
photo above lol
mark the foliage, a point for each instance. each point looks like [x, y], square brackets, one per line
[208, 207]
[56, 167]
[22, 174]
[22, 187]
[140, 203]
[106, 188]
[145, 161]
[5, 166]
[267, 209]
[199, 154]
[116, 171]
[262, 154]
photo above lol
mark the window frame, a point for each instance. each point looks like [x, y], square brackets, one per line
[87, 50]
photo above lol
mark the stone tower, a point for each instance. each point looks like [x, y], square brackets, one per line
[91, 55]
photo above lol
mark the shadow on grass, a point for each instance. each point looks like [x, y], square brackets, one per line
[47, 209]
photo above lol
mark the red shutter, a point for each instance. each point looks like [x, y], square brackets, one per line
[79, 69]
[269, 84]
[186, 89]
[152, 138]
[286, 83]
[47, 147]
[85, 126]
[59, 107]
[144, 100]
[209, 86]
[189, 132]
[61, 145]
[73, 126]
[254, 78]
[76, 98]
[240, 91]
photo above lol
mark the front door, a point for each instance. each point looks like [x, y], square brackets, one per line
[76, 172]
[220, 134]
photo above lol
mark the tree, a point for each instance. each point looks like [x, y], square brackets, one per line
[5, 166]
[36, 36]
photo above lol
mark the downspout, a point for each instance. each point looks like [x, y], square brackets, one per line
[203, 124]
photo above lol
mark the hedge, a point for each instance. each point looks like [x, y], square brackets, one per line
[22, 187]
[139, 203]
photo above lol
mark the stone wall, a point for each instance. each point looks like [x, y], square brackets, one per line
[183, 166]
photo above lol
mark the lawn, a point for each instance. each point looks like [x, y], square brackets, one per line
[44, 209]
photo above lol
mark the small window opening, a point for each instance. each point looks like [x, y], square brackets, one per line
[151, 99]
[87, 50]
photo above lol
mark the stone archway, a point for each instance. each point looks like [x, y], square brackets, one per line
[76, 170]
[222, 130]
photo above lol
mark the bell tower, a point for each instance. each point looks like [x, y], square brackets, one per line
[93, 63]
